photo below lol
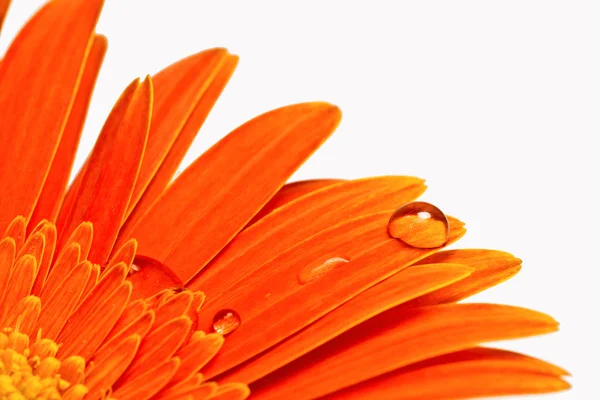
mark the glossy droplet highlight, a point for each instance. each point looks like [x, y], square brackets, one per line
[226, 321]
[420, 224]
[312, 272]
[134, 268]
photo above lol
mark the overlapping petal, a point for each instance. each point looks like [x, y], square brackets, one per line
[217, 183]
[186, 135]
[277, 289]
[109, 176]
[59, 39]
[397, 289]
[298, 221]
[410, 337]
[121, 296]
[55, 185]
[478, 372]
[106, 339]
[4, 4]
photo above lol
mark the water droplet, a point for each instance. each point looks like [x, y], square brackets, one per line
[419, 224]
[149, 276]
[226, 321]
[312, 272]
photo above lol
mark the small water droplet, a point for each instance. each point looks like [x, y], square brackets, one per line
[312, 272]
[419, 224]
[226, 321]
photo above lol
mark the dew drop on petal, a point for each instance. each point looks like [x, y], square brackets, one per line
[419, 224]
[150, 276]
[226, 321]
[312, 272]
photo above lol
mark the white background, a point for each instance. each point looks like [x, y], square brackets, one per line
[495, 103]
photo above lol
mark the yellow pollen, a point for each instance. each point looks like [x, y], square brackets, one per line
[33, 372]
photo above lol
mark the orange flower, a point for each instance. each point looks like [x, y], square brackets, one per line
[124, 284]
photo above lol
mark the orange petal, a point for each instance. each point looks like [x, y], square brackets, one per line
[4, 5]
[158, 346]
[291, 192]
[91, 282]
[397, 289]
[300, 220]
[24, 315]
[491, 267]
[144, 386]
[105, 371]
[57, 309]
[132, 312]
[489, 353]
[63, 266]
[231, 391]
[139, 327]
[34, 246]
[468, 374]
[19, 284]
[110, 281]
[191, 387]
[182, 143]
[58, 38]
[196, 354]
[111, 171]
[7, 258]
[199, 299]
[278, 141]
[94, 318]
[83, 235]
[124, 254]
[149, 277]
[297, 287]
[16, 230]
[176, 306]
[159, 298]
[49, 232]
[55, 186]
[177, 90]
[398, 338]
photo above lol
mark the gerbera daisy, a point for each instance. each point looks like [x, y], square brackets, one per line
[131, 283]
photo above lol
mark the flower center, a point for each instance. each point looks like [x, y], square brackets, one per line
[33, 372]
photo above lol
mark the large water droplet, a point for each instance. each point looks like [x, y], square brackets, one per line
[226, 321]
[419, 224]
[312, 272]
[149, 277]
